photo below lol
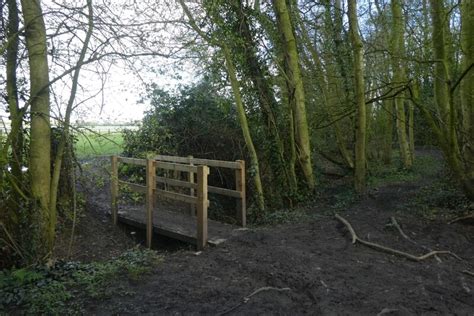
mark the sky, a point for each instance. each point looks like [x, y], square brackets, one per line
[110, 91]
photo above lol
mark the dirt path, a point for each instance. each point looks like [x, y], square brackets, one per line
[317, 267]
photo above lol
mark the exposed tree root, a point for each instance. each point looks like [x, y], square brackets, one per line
[247, 298]
[468, 273]
[406, 255]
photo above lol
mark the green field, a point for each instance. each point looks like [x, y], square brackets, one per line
[91, 144]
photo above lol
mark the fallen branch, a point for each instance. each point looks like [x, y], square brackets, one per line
[247, 298]
[397, 226]
[468, 273]
[406, 255]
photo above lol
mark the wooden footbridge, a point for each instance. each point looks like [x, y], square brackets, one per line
[167, 177]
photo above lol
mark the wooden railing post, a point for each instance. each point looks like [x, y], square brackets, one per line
[201, 238]
[114, 189]
[241, 207]
[150, 199]
[192, 207]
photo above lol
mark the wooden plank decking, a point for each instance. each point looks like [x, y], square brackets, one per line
[175, 225]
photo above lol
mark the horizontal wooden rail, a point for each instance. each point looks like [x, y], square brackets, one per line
[176, 196]
[133, 186]
[176, 167]
[132, 161]
[227, 192]
[177, 183]
[199, 161]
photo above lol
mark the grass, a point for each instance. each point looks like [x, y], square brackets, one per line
[60, 289]
[104, 144]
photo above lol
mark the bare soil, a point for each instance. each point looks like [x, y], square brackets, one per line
[309, 267]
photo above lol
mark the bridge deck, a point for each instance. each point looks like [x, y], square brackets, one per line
[175, 225]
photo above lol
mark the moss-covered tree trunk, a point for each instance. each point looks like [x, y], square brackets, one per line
[329, 87]
[254, 164]
[296, 90]
[16, 118]
[361, 126]
[40, 140]
[467, 84]
[257, 72]
[447, 122]
[388, 131]
[399, 78]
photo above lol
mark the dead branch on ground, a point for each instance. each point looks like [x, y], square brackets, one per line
[247, 298]
[376, 246]
[468, 273]
[399, 228]
[467, 218]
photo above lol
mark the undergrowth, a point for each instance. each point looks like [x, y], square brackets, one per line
[60, 288]
[423, 166]
[440, 199]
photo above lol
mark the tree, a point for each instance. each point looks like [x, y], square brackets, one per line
[399, 79]
[467, 83]
[295, 89]
[230, 67]
[40, 135]
[361, 126]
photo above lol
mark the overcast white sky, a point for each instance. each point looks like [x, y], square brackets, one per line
[117, 98]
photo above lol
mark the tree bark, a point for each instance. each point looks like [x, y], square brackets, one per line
[360, 146]
[388, 135]
[296, 90]
[40, 140]
[254, 164]
[467, 83]
[399, 78]
[256, 71]
[330, 88]
[16, 114]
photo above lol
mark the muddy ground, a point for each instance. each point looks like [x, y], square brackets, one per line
[309, 267]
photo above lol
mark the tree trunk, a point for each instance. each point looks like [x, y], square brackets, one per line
[65, 139]
[330, 88]
[16, 114]
[254, 164]
[411, 130]
[399, 78]
[296, 90]
[446, 133]
[268, 104]
[467, 84]
[360, 145]
[40, 140]
[254, 169]
[388, 135]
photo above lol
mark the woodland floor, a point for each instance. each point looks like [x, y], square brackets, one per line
[314, 261]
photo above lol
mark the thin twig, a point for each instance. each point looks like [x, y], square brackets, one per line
[376, 246]
[462, 218]
[247, 298]
[13, 243]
